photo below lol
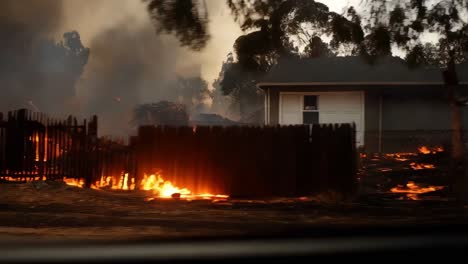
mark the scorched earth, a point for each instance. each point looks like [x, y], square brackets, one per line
[56, 211]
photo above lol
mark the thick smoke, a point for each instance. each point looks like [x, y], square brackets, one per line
[25, 27]
[129, 65]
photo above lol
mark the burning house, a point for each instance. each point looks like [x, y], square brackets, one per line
[394, 108]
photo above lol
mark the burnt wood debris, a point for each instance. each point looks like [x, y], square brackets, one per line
[241, 161]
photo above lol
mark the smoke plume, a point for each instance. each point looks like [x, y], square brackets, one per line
[128, 66]
[128, 63]
[25, 27]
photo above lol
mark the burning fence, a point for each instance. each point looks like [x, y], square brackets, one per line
[206, 162]
[183, 162]
[33, 146]
[213, 162]
[251, 161]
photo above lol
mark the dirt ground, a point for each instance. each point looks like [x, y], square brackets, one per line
[55, 211]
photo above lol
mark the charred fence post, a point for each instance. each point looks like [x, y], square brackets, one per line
[132, 160]
[93, 166]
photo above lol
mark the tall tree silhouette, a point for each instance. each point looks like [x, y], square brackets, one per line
[192, 92]
[57, 66]
[186, 19]
[276, 19]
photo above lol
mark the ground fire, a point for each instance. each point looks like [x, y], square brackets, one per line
[162, 188]
[421, 166]
[418, 162]
[412, 190]
[74, 182]
[408, 175]
[426, 150]
[154, 183]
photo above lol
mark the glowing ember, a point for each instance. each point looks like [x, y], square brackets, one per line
[412, 190]
[20, 179]
[426, 150]
[74, 182]
[209, 196]
[421, 166]
[399, 156]
[384, 169]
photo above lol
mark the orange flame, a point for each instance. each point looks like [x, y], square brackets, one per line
[421, 166]
[155, 183]
[162, 188]
[427, 150]
[36, 140]
[412, 190]
[399, 156]
[26, 178]
[74, 182]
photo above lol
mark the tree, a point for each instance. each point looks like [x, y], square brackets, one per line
[317, 48]
[425, 55]
[36, 70]
[402, 26]
[192, 92]
[275, 21]
[75, 53]
[240, 85]
[187, 19]
[278, 29]
[60, 65]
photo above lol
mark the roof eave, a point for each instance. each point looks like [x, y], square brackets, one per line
[264, 85]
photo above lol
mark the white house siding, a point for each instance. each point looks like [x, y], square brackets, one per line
[333, 107]
[291, 109]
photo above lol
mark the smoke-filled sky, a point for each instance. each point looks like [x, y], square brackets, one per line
[128, 63]
[92, 17]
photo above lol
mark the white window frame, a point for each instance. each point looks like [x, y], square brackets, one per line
[302, 106]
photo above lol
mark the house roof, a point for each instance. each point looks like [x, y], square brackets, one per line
[205, 119]
[353, 70]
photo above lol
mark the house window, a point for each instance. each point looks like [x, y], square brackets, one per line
[310, 114]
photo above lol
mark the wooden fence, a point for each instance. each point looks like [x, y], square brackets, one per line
[251, 161]
[113, 160]
[33, 146]
[238, 161]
